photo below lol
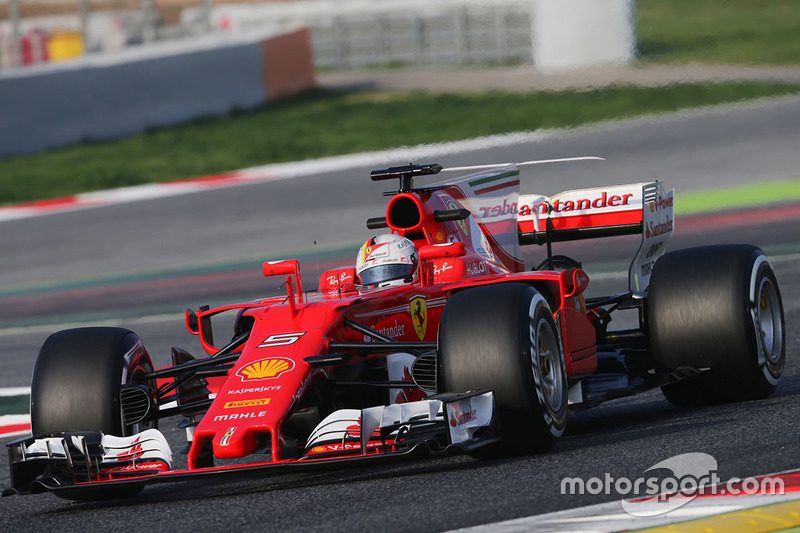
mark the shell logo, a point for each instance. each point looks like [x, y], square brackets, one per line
[269, 368]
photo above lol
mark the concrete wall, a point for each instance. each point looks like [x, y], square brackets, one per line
[582, 33]
[109, 96]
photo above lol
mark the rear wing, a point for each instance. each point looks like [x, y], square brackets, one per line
[645, 208]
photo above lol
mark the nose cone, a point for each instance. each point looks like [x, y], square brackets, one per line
[251, 405]
[261, 390]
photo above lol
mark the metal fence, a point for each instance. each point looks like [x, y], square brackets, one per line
[458, 34]
[379, 33]
[345, 33]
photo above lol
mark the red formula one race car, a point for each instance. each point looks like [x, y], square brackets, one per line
[438, 341]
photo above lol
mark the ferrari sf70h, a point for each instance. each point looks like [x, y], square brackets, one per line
[473, 353]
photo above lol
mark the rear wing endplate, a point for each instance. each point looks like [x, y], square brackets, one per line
[645, 208]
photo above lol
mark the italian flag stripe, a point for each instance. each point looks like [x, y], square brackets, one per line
[489, 179]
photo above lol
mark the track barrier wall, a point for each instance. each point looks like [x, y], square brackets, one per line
[102, 97]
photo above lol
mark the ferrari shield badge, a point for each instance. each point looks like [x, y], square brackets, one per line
[418, 308]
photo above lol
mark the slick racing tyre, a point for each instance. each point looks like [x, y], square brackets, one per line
[76, 387]
[503, 338]
[77, 380]
[717, 308]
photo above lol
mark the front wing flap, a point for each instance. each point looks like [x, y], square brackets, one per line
[460, 421]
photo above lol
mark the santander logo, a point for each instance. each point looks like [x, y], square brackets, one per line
[602, 201]
[654, 229]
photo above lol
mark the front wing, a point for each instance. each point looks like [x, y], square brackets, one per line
[89, 465]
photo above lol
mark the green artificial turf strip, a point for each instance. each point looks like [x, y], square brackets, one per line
[737, 197]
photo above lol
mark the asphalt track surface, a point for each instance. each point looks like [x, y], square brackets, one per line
[623, 438]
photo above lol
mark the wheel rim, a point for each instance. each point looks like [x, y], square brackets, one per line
[548, 365]
[769, 328]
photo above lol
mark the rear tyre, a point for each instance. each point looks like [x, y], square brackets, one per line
[717, 308]
[504, 338]
[76, 386]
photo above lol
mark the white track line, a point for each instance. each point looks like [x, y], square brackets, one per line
[7, 420]
[114, 322]
[783, 258]
[606, 276]
[14, 391]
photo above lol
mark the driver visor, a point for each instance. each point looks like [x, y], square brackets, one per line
[384, 273]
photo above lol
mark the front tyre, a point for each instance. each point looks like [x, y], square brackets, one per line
[76, 387]
[504, 338]
[77, 380]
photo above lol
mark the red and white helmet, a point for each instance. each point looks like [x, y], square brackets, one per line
[386, 260]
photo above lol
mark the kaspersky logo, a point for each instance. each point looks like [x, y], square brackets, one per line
[269, 368]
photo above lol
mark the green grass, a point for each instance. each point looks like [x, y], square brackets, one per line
[719, 31]
[322, 124]
[743, 196]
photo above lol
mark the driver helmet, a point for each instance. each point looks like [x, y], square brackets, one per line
[386, 260]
